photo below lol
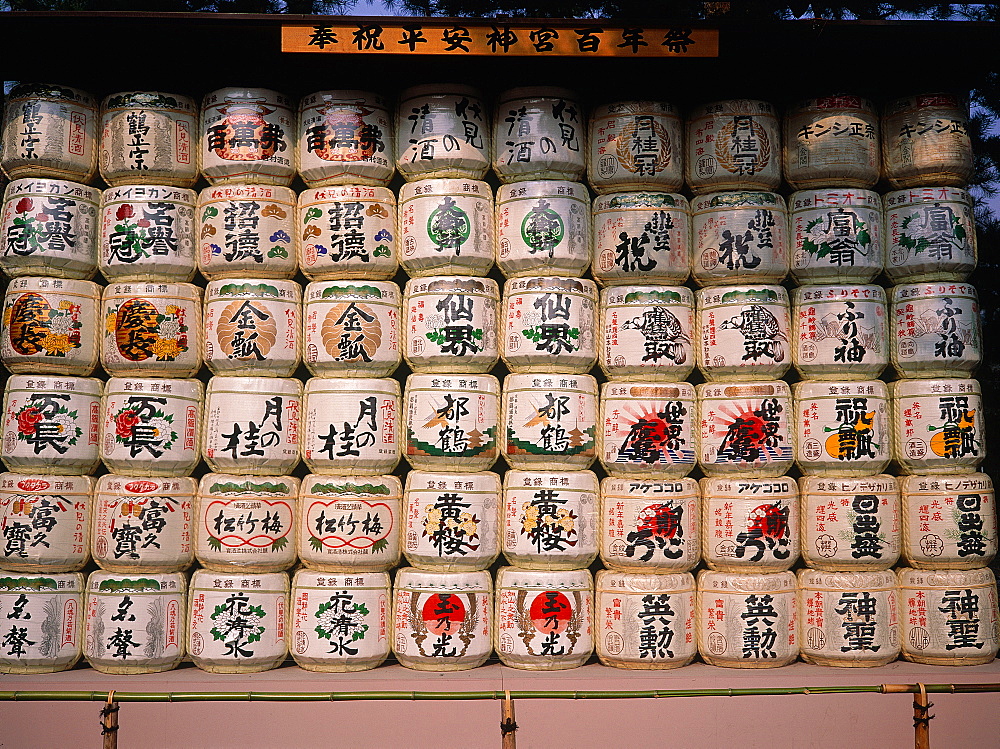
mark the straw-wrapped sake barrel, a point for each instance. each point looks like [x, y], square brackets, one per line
[442, 130]
[949, 522]
[744, 332]
[452, 520]
[930, 234]
[143, 524]
[938, 426]
[544, 619]
[841, 332]
[849, 524]
[732, 145]
[549, 421]
[938, 331]
[246, 523]
[43, 622]
[349, 524]
[442, 620]
[247, 230]
[352, 426]
[51, 325]
[550, 519]
[135, 622]
[49, 228]
[648, 333]
[832, 140]
[352, 328]
[45, 522]
[51, 424]
[749, 524]
[848, 619]
[925, 141]
[148, 137]
[745, 429]
[151, 427]
[836, 235]
[237, 622]
[345, 136]
[635, 145]
[152, 329]
[646, 619]
[543, 227]
[650, 526]
[949, 617]
[49, 130]
[747, 620]
[340, 622]
[539, 132]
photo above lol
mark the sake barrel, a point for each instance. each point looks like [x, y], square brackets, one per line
[450, 324]
[544, 620]
[52, 424]
[245, 137]
[441, 620]
[252, 326]
[550, 519]
[49, 130]
[849, 524]
[647, 618]
[732, 145]
[539, 132]
[452, 520]
[143, 524]
[739, 237]
[745, 332]
[648, 333]
[51, 325]
[543, 228]
[151, 427]
[148, 136]
[836, 235]
[442, 130]
[747, 620]
[247, 230]
[44, 626]
[647, 429]
[345, 136]
[49, 228]
[340, 622]
[750, 524]
[832, 141]
[949, 522]
[148, 233]
[134, 622]
[352, 328]
[842, 332]
[352, 426]
[250, 425]
[446, 226]
[635, 145]
[550, 324]
[641, 237]
[246, 524]
[349, 524]
[237, 621]
[848, 619]
[925, 141]
[949, 617]
[842, 428]
[930, 234]
[938, 426]
[650, 526]
[45, 522]
[348, 231]
[452, 422]
[549, 421]
[937, 331]
[152, 329]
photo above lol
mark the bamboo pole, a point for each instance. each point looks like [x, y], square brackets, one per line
[921, 719]
[109, 722]
[508, 727]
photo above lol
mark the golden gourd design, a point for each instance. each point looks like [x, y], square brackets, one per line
[247, 330]
[351, 332]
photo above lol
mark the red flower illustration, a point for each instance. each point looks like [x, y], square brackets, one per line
[24, 205]
[27, 419]
[124, 423]
[124, 211]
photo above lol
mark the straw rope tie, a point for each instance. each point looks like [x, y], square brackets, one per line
[109, 709]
